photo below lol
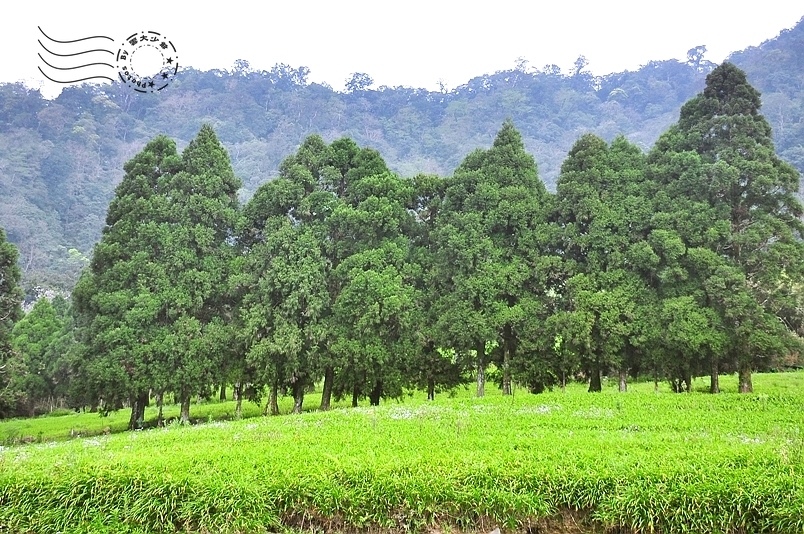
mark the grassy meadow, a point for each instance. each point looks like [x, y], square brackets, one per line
[558, 462]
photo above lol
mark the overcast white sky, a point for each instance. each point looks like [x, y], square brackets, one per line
[413, 43]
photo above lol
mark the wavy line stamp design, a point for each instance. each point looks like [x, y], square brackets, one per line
[145, 61]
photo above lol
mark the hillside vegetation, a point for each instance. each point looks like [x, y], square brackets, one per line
[683, 262]
[60, 160]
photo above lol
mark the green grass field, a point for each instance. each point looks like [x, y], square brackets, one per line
[557, 462]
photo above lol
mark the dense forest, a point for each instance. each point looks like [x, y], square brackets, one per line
[682, 261]
[60, 160]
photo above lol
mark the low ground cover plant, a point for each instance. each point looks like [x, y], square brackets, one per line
[639, 461]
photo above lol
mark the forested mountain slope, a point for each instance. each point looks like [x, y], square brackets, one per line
[60, 160]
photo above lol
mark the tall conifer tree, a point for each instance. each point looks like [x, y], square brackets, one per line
[602, 215]
[718, 162]
[10, 311]
[489, 240]
[148, 305]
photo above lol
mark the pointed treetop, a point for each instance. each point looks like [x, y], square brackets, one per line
[727, 94]
[587, 150]
[508, 163]
[158, 157]
[206, 155]
[508, 136]
[726, 114]
[146, 174]
[729, 85]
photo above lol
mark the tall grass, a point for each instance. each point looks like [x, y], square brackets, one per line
[638, 461]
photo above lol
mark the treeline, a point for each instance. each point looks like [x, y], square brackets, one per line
[60, 159]
[682, 262]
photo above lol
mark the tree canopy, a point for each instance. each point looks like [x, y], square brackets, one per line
[719, 160]
[10, 311]
[62, 157]
[342, 274]
[147, 305]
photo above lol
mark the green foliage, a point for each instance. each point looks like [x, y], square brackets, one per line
[674, 265]
[602, 217]
[36, 339]
[719, 171]
[61, 158]
[10, 290]
[156, 285]
[334, 210]
[490, 238]
[373, 322]
[10, 311]
[119, 313]
[282, 311]
[433, 368]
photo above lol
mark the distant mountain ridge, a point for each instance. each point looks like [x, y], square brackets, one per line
[60, 160]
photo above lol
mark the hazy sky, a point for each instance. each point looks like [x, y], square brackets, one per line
[413, 43]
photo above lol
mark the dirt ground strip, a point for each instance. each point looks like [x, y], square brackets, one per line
[567, 522]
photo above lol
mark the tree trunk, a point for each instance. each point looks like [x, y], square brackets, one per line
[185, 408]
[132, 420]
[238, 395]
[506, 365]
[714, 378]
[744, 373]
[273, 402]
[326, 394]
[506, 368]
[222, 395]
[594, 379]
[563, 381]
[537, 387]
[481, 369]
[160, 420]
[298, 396]
[355, 395]
[376, 394]
[138, 411]
[430, 389]
[623, 381]
[677, 384]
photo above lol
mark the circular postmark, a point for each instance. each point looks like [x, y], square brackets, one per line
[147, 62]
